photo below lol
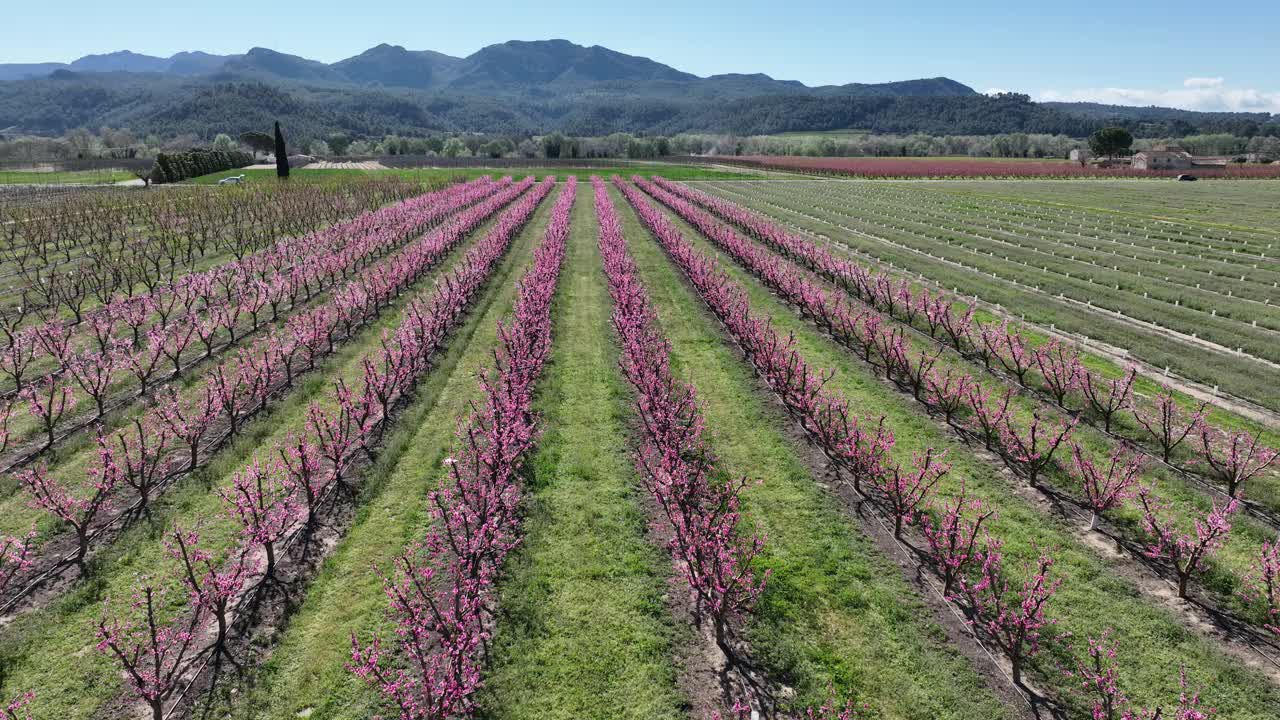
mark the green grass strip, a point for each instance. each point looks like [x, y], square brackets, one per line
[583, 631]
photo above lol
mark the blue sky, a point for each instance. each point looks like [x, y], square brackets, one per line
[1172, 52]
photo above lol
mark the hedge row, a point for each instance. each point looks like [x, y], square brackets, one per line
[174, 167]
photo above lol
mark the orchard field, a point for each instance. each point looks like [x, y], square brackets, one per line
[687, 443]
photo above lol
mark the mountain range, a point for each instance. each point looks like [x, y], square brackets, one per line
[511, 87]
[553, 65]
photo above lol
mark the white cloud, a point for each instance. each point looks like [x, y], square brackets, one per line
[1196, 93]
[1202, 82]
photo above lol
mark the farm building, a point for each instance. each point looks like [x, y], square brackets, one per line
[1162, 157]
[1173, 157]
[1080, 155]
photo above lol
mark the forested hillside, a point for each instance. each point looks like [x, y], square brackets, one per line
[521, 88]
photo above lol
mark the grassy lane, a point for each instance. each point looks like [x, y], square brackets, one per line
[51, 650]
[306, 673]
[583, 631]
[835, 609]
[1153, 641]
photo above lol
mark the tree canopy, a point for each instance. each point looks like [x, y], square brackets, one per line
[282, 154]
[1110, 141]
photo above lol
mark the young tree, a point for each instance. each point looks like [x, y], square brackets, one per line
[990, 412]
[1032, 450]
[264, 505]
[142, 456]
[1168, 423]
[1234, 458]
[80, 513]
[1006, 345]
[13, 557]
[94, 373]
[1188, 707]
[153, 653]
[282, 154]
[953, 538]
[189, 423]
[1061, 369]
[212, 589]
[48, 401]
[948, 393]
[1105, 487]
[1013, 618]
[1262, 584]
[907, 490]
[1108, 397]
[305, 473]
[1184, 552]
[1099, 677]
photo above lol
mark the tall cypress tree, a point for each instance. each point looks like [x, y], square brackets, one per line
[282, 154]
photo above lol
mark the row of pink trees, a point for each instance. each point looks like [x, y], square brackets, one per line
[1010, 613]
[275, 498]
[710, 550]
[440, 590]
[1229, 457]
[222, 284]
[1027, 446]
[144, 340]
[180, 431]
[89, 250]
[969, 561]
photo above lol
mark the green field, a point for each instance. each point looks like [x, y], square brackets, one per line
[95, 177]
[1241, 205]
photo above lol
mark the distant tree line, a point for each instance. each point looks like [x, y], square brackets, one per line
[111, 143]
